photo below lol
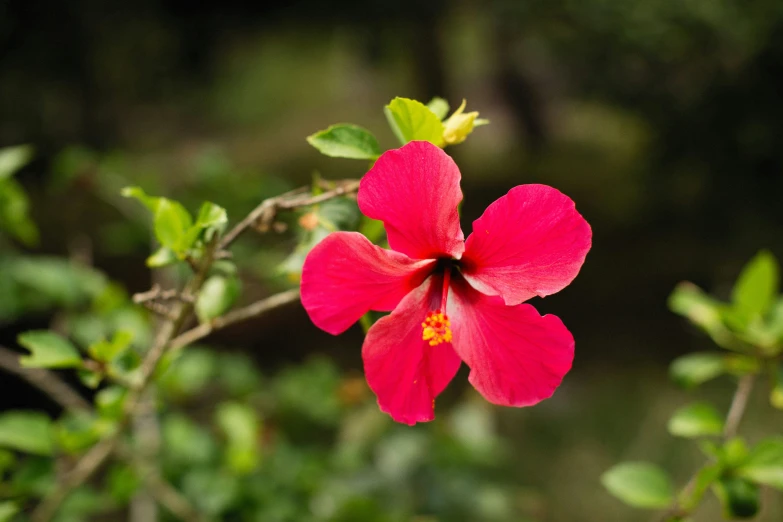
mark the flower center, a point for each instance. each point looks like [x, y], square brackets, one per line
[436, 328]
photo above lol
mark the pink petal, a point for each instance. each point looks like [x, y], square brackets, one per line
[345, 275]
[516, 356]
[403, 370]
[415, 191]
[530, 242]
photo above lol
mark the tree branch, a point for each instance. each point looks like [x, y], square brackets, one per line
[264, 214]
[738, 405]
[240, 314]
[46, 381]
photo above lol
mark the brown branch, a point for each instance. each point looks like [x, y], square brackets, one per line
[46, 381]
[264, 214]
[738, 405]
[84, 468]
[161, 490]
[241, 314]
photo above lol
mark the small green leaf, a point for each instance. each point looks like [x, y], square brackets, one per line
[211, 216]
[15, 212]
[439, 107]
[26, 431]
[756, 287]
[7, 510]
[171, 223]
[13, 159]
[216, 297]
[764, 464]
[107, 351]
[690, 301]
[696, 420]
[122, 483]
[48, 350]
[733, 453]
[110, 402]
[163, 256]
[412, 120]
[76, 432]
[137, 193]
[740, 498]
[241, 426]
[345, 140]
[694, 369]
[639, 484]
[776, 395]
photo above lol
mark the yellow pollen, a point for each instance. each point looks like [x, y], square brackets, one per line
[436, 328]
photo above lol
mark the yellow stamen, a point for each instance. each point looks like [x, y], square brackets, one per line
[436, 328]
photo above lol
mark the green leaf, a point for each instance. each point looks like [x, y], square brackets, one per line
[15, 212]
[78, 431]
[639, 484]
[185, 443]
[48, 350]
[690, 301]
[439, 107]
[764, 464]
[694, 369]
[757, 286]
[163, 256]
[171, 223]
[412, 120]
[190, 372]
[241, 426]
[211, 216]
[137, 193]
[26, 431]
[110, 402]
[107, 351]
[7, 510]
[345, 140]
[776, 394]
[740, 498]
[696, 420]
[122, 483]
[13, 159]
[216, 297]
[733, 453]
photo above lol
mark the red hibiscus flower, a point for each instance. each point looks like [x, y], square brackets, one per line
[451, 299]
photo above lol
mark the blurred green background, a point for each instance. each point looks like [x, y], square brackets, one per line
[663, 120]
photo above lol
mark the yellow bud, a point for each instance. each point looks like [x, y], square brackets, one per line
[459, 125]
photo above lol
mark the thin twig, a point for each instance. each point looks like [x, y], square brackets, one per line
[161, 490]
[156, 293]
[241, 314]
[84, 468]
[738, 405]
[263, 215]
[44, 380]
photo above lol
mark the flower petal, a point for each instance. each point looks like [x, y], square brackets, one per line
[530, 242]
[345, 275]
[403, 370]
[415, 191]
[516, 356]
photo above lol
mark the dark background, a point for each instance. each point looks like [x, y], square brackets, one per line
[661, 119]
